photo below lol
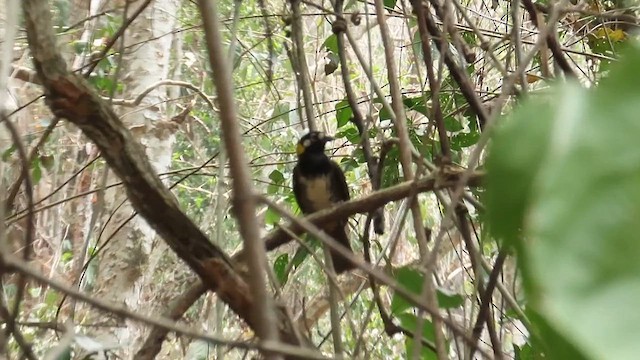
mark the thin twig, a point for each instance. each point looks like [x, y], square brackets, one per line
[458, 74]
[114, 38]
[485, 300]
[552, 41]
[300, 64]
[243, 200]
[339, 27]
[405, 159]
[29, 233]
[13, 192]
[153, 342]
[156, 321]
[380, 276]
[434, 84]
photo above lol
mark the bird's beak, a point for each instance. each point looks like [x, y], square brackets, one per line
[328, 138]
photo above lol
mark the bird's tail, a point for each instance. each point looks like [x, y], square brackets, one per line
[340, 263]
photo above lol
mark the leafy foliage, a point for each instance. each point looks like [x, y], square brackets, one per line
[562, 175]
[568, 204]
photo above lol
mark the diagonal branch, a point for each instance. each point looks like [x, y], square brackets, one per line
[445, 178]
[552, 40]
[71, 97]
[457, 73]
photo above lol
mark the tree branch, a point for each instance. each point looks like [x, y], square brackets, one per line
[438, 180]
[244, 202]
[551, 39]
[71, 97]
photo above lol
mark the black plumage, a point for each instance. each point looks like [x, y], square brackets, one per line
[319, 183]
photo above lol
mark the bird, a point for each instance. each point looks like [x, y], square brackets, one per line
[318, 184]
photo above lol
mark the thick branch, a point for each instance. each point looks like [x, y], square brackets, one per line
[70, 97]
[458, 74]
[438, 180]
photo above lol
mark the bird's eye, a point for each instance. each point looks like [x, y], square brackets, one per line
[306, 143]
[320, 136]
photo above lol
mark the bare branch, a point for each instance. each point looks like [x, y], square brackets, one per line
[262, 312]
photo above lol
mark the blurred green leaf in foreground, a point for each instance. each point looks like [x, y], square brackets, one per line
[564, 192]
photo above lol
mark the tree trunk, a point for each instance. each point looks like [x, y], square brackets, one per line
[128, 266]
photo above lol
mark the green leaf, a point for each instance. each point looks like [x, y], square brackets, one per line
[103, 83]
[273, 189]
[281, 112]
[66, 256]
[425, 353]
[332, 63]
[419, 143]
[343, 113]
[510, 166]
[384, 114]
[463, 140]
[80, 46]
[524, 352]
[348, 164]
[547, 342]
[358, 156]
[391, 171]
[63, 355]
[350, 4]
[350, 133]
[410, 279]
[410, 322]
[36, 171]
[237, 57]
[469, 37]
[331, 43]
[417, 104]
[299, 256]
[277, 177]
[452, 124]
[51, 298]
[389, 4]
[271, 217]
[302, 253]
[448, 300]
[566, 173]
[413, 280]
[416, 43]
[7, 153]
[280, 268]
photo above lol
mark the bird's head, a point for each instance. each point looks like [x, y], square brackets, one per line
[313, 142]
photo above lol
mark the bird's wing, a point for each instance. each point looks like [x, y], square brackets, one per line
[339, 183]
[298, 191]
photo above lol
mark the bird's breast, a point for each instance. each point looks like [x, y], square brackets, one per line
[318, 191]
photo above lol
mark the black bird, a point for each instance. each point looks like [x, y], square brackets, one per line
[319, 183]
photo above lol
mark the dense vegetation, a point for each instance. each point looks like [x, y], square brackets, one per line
[489, 149]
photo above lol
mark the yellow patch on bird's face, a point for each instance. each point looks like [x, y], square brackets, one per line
[299, 149]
